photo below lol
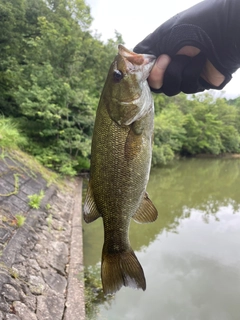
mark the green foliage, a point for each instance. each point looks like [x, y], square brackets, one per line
[35, 200]
[193, 125]
[169, 134]
[211, 127]
[48, 206]
[52, 71]
[203, 132]
[162, 154]
[10, 135]
[20, 219]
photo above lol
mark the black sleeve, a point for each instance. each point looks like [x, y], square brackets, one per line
[213, 26]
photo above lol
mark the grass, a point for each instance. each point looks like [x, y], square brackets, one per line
[10, 136]
[35, 200]
[12, 141]
[33, 166]
[20, 220]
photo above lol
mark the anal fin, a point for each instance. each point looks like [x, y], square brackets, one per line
[90, 211]
[146, 212]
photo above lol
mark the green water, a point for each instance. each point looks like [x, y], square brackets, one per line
[191, 254]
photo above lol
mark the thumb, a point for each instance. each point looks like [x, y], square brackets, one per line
[155, 79]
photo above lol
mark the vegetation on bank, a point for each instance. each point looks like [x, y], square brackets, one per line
[52, 70]
[197, 124]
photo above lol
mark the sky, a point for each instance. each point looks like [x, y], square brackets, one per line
[135, 19]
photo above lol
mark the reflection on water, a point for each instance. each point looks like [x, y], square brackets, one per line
[190, 256]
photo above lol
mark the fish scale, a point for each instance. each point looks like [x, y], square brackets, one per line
[120, 166]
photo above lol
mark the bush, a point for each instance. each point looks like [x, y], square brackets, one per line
[10, 135]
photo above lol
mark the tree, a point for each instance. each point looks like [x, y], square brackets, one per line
[169, 134]
[56, 74]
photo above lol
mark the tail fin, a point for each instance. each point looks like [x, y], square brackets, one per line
[121, 269]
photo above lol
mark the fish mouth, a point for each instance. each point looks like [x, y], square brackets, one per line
[143, 61]
[139, 59]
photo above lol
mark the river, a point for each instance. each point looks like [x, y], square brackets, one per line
[191, 254]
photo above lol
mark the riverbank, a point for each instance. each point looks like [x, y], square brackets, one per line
[218, 156]
[41, 262]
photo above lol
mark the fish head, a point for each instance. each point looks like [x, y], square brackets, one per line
[126, 89]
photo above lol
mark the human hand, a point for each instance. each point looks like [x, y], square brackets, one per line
[197, 49]
[209, 73]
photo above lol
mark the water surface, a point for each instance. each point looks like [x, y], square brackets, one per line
[191, 254]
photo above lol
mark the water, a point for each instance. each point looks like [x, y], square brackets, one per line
[191, 254]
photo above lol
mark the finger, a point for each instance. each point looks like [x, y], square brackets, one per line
[189, 51]
[212, 75]
[155, 78]
[191, 74]
[173, 75]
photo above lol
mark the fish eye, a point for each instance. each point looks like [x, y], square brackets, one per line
[117, 75]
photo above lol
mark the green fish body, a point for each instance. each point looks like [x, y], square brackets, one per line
[120, 166]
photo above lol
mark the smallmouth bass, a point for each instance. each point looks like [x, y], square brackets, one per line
[120, 166]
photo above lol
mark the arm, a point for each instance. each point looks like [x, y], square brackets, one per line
[198, 48]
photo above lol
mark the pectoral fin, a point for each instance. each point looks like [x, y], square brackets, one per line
[90, 211]
[146, 212]
[133, 145]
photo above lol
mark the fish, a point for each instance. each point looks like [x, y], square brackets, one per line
[120, 165]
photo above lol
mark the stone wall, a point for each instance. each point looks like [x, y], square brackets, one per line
[41, 263]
